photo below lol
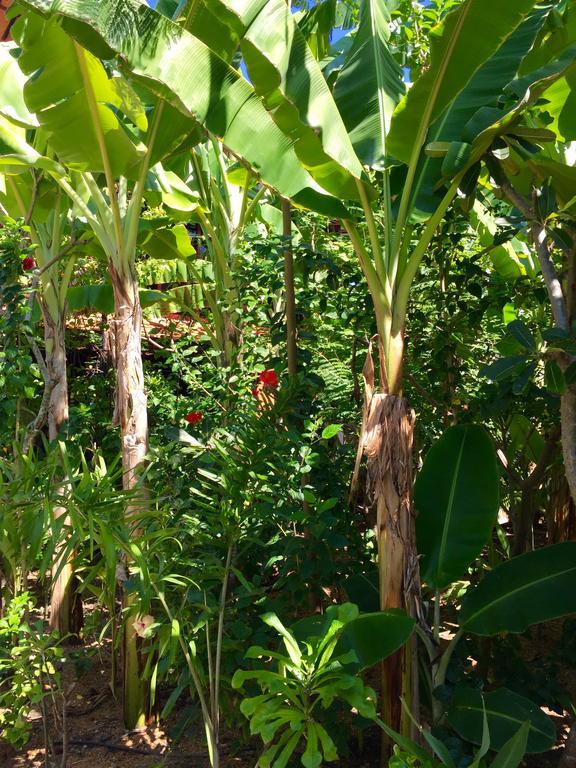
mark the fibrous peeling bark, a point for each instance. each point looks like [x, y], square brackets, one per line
[131, 411]
[130, 393]
[388, 442]
[65, 610]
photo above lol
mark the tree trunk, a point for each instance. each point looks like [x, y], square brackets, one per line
[568, 422]
[132, 415]
[65, 607]
[388, 439]
[523, 521]
[561, 513]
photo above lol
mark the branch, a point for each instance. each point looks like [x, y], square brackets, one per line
[538, 231]
[535, 477]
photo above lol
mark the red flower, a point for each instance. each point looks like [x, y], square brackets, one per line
[268, 379]
[28, 263]
[193, 417]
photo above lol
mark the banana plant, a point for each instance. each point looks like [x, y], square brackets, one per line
[228, 199]
[86, 135]
[31, 196]
[369, 123]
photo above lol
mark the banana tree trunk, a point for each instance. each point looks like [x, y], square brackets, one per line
[65, 607]
[388, 439]
[132, 416]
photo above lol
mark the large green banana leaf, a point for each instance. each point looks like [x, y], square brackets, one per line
[19, 192]
[77, 104]
[12, 82]
[489, 124]
[468, 38]
[16, 153]
[506, 712]
[483, 90]
[286, 75]
[535, 587]
[553, 40]
[456, 498]
[370, 84]
[206, 22]
[561, 105]
[182, 70]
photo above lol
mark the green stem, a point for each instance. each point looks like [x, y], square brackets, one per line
[376, 288]
[253, 203]
[135, 205]
[243, 206]
[219, 638]
[93, 107]
[407, 277]
[440, 676]
[96, 225]
[379, 260]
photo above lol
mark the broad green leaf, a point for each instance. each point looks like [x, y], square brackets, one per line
[467, 38]
[554, 378]
[19, 196]
[16, 155]
[511, 754]
[330, 431]
[561, 105]
[290, 641]
[535, 587]
[312, 757]
[483, 90]
[181, 436]
[375, 636]
[168, 244]
[75, 100]
[456, 498]
[563, 179]
[288, 78]
[180, 69]
[506, 712]
[100, 298]
[524, 437]
[503, 368]
[96, 297]
[370, 84]
[12, 81]
[487, 125]
[553, 40]
[522, 333]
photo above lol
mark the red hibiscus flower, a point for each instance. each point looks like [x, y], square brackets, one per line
[28, 263]
[193, 417]
[268, 379]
